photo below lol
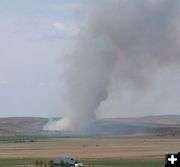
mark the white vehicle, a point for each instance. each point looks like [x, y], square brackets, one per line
[79, 165]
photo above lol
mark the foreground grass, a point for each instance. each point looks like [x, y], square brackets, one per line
[12, 162]
[90, 162]
[124, 163]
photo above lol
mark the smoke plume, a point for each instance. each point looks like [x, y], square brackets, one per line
[125, 62]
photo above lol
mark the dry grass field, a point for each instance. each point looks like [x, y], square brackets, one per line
[134, 147]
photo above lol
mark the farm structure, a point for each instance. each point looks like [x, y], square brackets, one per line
[66, 162]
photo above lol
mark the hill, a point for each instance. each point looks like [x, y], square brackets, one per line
[159, 125]
[21, 125]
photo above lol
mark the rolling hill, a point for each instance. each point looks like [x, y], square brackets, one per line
[159, 125]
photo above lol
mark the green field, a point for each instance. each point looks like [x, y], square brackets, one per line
[92, 162]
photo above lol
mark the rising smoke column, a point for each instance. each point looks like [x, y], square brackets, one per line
[120, 54]
[87, 79]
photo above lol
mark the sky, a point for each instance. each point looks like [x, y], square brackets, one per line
[122, 56]
[125, 63]
[33, 35]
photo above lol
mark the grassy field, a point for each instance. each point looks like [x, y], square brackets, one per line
[145, 151]
[93, 162]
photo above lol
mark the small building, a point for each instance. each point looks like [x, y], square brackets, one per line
[64, 162]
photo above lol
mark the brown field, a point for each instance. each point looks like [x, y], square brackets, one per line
[132, 147]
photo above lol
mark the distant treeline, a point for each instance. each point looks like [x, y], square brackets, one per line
[18, 139]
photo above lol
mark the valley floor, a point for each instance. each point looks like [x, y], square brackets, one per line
[146, 151]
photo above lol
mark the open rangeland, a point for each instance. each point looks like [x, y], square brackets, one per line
[146, 151]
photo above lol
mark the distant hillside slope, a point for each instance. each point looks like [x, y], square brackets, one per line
[161, 125]
[21, 125]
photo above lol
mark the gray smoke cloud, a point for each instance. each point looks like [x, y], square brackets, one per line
[125, 62]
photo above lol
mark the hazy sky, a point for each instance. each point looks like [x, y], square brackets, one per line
[126, 62]
[142, 38]
[33, 34]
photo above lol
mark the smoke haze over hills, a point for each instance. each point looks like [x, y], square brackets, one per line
[125, 62]
[150, 125]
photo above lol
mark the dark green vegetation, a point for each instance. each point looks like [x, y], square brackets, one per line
[18, 139]
[12, 162]
[125, 163]
[90, 162]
